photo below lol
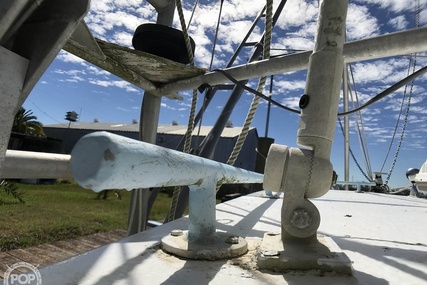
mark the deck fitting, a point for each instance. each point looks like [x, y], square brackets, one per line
[223, 246]
[323, 255]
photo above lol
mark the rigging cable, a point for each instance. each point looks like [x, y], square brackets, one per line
[397, 124]
[405, 121]
[371, 101]
[408, 106]
[261, 84]
[192, 13]
[190, 126]
[216, 34]
[202, 111]
[352, 154]
[360, 127]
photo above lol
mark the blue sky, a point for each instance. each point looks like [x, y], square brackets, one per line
[71, 84]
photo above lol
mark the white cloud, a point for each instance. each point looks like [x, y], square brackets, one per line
[114, 83]
[285, 86]
[68, 57]
[122, 109]
[166, 106]
[291, 102]
[391, 5]
[360, 23]
[96, 70]
[69, 72]
[298, 13]
[399, 22]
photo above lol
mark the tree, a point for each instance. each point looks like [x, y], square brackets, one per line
[26, 123]
[12, 189]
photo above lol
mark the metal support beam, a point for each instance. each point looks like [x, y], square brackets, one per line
[399, 43]
[103, 160]
[12, 75]
[45, 30]
[149, 120]
[307, 173]
[31, 35]
[35, 165]
[346, 95]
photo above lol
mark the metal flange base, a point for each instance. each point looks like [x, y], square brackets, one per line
[223, 246]
[323, 254]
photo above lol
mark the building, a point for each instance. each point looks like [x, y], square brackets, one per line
[168, 136]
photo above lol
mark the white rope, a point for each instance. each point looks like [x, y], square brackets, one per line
[190, 126]
[261, 84]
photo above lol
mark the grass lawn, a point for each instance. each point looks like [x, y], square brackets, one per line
[63, 211]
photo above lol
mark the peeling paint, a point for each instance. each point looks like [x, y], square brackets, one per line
[108, 155]
[199, 182]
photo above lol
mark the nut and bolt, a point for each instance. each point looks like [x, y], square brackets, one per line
[301, 219]
[176, 233]
[232, 240]
[270, 252]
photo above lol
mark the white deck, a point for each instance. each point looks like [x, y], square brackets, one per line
[385, 236]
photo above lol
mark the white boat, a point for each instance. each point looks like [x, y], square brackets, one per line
[421, 178]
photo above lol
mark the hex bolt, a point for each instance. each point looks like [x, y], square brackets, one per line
[232, 240]
[301, 219]
[270, 252]
[176, 233]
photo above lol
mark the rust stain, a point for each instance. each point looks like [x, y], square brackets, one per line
[108, 155]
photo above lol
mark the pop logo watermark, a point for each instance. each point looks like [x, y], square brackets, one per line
[22, 273]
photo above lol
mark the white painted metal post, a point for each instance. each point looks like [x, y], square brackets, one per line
[392, 44]
[37, 165]
[201, 227]
[149, 121]
[307, 173]
[13, 69]
[103, 160]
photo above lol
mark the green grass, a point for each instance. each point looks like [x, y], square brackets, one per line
[63, 211]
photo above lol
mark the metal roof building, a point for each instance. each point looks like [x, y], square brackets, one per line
[167, 136]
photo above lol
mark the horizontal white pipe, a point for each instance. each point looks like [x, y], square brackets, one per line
[103, 160]
[35, 165]
[393, 44]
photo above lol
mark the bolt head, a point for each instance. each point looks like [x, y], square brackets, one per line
[270, 252]
[232, 240]
[176, 233]
[301, 219]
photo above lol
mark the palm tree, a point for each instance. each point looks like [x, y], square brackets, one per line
[26, 123]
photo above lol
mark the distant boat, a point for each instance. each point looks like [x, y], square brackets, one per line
[421, 178]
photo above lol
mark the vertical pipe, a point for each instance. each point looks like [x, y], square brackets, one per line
[346, 128]
[201, 227]
[149, 120]
[319, 105]
[267, 122]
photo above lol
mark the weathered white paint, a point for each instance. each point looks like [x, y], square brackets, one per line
[13, 69]
[383, 235]
[307, 173]
[398, 43]
[202, 201]
[103, 160]
[38, 165]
